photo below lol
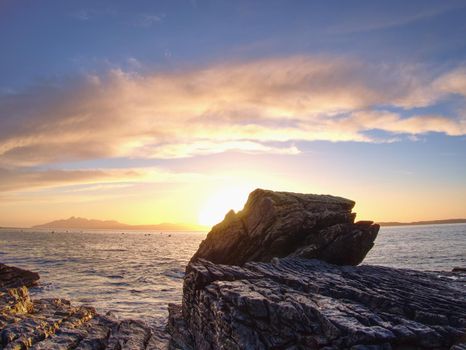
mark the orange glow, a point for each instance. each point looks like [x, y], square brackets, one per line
[213, 210]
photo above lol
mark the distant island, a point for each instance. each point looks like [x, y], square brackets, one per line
[431, 222]
[91, 224]
[83, 223]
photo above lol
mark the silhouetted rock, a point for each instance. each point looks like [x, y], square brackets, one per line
[279, 224]
[296, 303]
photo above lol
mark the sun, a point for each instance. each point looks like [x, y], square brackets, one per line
[220, 203]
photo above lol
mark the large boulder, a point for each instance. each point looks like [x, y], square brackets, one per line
[278, 224]
[296, 303]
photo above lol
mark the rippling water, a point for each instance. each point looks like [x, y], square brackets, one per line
[427, 247]
[136, 274]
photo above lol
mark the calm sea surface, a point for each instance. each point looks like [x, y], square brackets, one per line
[136, 274]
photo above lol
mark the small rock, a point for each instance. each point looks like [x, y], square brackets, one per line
[459, 269]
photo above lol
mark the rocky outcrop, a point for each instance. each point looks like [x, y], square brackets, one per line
[14, 296]
[280, 297]
[279, 224]
[55, 324]
[13, 277]
[290, 290]
[295, 303]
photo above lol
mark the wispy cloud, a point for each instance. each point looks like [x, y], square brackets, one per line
[148, 20]
[24, 179]
[27, 179]
[261, 106]
[81, 15]
[381, 16]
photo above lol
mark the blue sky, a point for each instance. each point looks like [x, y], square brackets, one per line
[108, 106]
[52, 39]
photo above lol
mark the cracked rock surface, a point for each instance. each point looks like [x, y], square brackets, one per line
[279, 224]
[296, 303]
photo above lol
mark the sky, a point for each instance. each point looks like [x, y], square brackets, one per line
[173, 111]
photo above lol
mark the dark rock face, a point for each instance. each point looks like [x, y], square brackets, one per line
[296, 303]
[54, 324]
[279, 224]
[13, 277]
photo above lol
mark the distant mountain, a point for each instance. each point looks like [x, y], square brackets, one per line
[431, 222]
[82, 223]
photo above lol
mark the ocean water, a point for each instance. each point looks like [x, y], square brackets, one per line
[136, 274]
[426, 247]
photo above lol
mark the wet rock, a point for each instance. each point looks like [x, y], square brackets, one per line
[55, 324]
[459, 269]
[279, 224]
[296, 303]
[13, 277]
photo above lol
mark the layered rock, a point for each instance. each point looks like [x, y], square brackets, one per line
[55, 324]
[295, 303]
[282, 297]
[279, 224]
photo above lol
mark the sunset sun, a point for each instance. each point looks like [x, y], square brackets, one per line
[215, 207]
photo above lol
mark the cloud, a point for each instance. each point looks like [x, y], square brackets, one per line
[452, 82]
[12, 180]
[375, 18]
[148, 20]
[260, 106]
[24, 179]
[81, 15]
[392, 122]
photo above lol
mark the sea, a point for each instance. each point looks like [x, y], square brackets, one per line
[136, 274]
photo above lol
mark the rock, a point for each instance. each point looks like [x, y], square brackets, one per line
[279, 224]
[55, 324]
[296, 303]
[14, 296]
[13, 277]
[459, 269]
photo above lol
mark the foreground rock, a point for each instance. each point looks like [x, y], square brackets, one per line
[55, 324]
[296, 303]
[279, 224]
[13, 277]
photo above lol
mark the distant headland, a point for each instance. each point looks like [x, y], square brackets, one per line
[430, 222]
[83, 223]
[93, 224]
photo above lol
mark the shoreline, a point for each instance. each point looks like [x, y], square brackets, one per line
[284, 272]
[82, 327]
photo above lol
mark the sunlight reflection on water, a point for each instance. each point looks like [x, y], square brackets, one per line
[133, 274]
